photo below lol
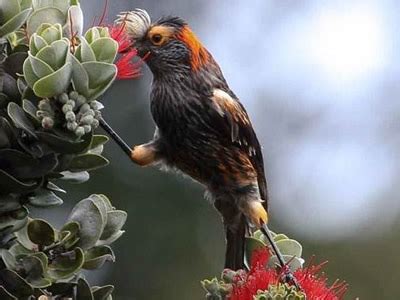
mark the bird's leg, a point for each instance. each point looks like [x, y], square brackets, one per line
[145, 154]
[258, 216]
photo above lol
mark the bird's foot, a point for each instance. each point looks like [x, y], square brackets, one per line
[256, 213]
[144, 155]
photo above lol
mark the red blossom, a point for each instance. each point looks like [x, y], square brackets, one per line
[260, 277]
[127, 67]
[118, 34]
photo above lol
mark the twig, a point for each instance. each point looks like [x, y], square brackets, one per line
[120, 142]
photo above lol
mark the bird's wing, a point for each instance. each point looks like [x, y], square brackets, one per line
[237, 124]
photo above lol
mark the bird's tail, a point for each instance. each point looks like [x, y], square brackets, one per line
[235, 242]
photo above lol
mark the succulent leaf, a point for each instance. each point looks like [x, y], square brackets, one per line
[97, 256]
[83, 290]
[15, 284]
[45, 198]
[67, 264]
[89, 217]
[41, 233]
[50, 15]
[87, 162]
[102, 293]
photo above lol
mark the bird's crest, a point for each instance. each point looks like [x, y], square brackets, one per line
[199, 55]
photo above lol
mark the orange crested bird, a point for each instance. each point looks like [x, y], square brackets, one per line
[202, 129]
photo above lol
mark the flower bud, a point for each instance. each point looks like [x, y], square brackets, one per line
[73, 95]
[84, 108]
[66, 108]
[72, 126]
[80, 100]
[45, 105]
[63, 98]
[47, 123]
[87, 128]
[71, 102]
[87, 120]
[79, 131]
[95, 123]
[70, 116]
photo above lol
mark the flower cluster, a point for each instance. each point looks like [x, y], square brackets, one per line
[127, 64]
[258, 279]
[264, 281]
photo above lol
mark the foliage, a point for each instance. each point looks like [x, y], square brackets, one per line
[51, 76]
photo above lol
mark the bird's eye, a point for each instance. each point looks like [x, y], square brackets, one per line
[157, 39]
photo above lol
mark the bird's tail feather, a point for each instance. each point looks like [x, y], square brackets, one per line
[235, 242]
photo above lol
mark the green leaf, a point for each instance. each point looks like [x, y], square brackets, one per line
[44, 15]
[294, 263]
[115, 220]
[105, 49]
[15, 284]
[52, 187]
[84, 52]
[75, 177]
[30, 109]
[17, 115]
[87, 162]
[23, 166]
[102, 206]
[50, 33]
[45, 198]
[6, 295]
[67, 264]
[40, 67]
[35, 271]
[15, 23]
[290, 247]
[280, 236]
[9, 202]
[36, 43]
[102, 293]
[100, 73]
[69, 235]
[80, 78]
[9, 8]
[23, 239]
[55, 55]
[41, 233]
[10, 184]
[8, 259]
[97, 256]
[83, 290]
[55, 83]
[29, 74]
[98, 140]
[19, 251]
[63, 145]
[88, 215]
[111, 239]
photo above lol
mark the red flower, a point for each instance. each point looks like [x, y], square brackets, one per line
[127, 67]
[259, 277]
[118, 34]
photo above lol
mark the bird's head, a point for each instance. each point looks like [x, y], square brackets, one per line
[168, 44]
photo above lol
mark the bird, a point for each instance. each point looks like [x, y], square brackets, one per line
[202, 128]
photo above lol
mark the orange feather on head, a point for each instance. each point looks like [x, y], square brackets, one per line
[199, 54]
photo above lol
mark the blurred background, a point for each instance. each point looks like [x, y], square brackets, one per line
[320, 80]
